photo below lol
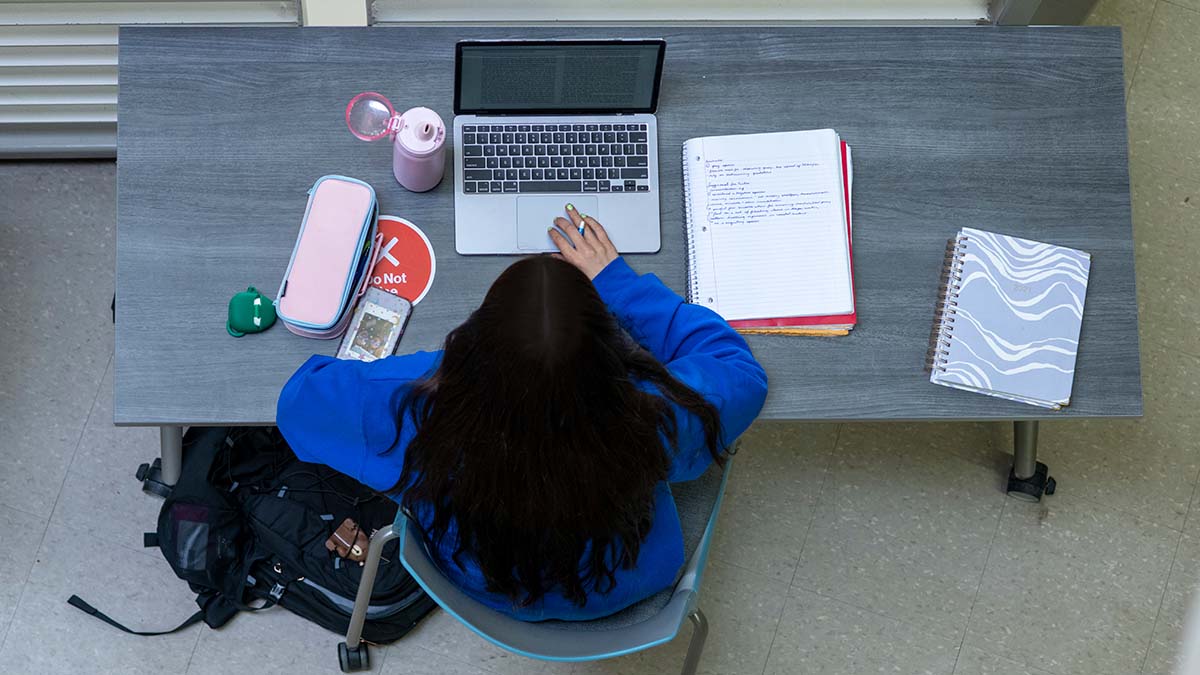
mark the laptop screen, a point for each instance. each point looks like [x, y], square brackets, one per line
[618, 76]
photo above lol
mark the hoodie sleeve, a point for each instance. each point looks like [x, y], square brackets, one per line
[698, 347]
[345, 414]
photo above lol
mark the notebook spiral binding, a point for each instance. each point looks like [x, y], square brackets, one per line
[947, 305]
[693, 289]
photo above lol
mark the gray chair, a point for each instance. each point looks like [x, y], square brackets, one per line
[654, 621]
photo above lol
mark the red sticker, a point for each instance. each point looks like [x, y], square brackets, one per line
[406, 261]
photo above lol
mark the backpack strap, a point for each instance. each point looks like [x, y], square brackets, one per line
[78, 603]
[218, 609]
[215, 611]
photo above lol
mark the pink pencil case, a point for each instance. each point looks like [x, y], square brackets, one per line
[332, 259]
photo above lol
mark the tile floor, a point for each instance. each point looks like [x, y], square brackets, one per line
[843, 549]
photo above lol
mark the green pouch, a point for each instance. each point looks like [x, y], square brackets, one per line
[249, 312]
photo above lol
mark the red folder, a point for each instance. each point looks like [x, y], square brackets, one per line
[832, 321]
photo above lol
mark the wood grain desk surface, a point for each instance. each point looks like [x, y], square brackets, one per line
[1018, 130]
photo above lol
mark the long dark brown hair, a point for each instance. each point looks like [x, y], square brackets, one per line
[540, 437]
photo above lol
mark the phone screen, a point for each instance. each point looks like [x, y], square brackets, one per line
[375, 334]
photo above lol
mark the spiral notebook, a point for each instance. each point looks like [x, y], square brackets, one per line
[1008, 319]
[768, 229]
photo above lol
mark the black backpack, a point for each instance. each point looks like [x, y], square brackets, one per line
[246, 526]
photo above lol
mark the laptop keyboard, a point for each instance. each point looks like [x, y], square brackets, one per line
[545, 158]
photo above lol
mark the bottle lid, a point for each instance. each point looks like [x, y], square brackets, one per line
[421, 131]
[370, 116]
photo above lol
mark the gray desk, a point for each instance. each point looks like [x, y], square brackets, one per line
[1014, 129]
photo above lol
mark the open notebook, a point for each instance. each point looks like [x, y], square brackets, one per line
[1008, 319]
[768, 228]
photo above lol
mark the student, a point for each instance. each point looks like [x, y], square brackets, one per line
[536, 449]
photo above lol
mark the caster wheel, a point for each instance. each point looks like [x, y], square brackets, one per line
[353, 659]
[1032, 488]
[150, 476]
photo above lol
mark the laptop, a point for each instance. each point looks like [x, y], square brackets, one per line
[542, 123]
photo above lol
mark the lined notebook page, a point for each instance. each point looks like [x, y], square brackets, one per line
[766, 216]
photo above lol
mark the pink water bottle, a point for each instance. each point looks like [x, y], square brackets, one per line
[418, 138]
[419, 150]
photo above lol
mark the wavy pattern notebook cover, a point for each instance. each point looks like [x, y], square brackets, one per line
[1008, 320]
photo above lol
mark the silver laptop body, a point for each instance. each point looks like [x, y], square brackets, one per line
[515, 170]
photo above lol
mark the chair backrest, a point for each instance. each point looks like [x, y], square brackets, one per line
[652, 622]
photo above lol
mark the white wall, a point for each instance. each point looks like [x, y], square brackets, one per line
[774, 11]
[58, 58]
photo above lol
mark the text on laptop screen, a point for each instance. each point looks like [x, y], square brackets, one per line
[562, 77]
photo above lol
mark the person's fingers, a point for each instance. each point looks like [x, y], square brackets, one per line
[560, 241]
[570, 229]
[589, 236]
[565, 229]
[601, 233]
[557, 256]
[575, 216]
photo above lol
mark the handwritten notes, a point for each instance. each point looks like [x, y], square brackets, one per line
[768, 223]
[751, 192]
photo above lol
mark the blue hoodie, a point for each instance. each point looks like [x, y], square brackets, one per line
[346, 414]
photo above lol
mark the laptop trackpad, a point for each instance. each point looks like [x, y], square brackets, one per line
[536, 214]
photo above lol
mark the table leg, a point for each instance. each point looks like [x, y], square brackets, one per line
[158, 478]
[1025, 436]
[1028, 479]
[171, 451]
